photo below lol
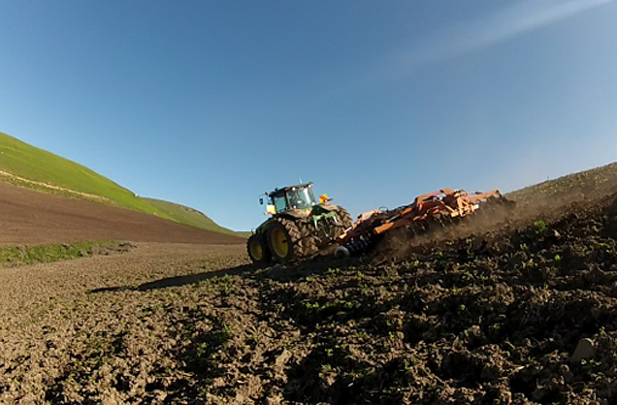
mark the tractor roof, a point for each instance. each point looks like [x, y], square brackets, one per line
[281, 191]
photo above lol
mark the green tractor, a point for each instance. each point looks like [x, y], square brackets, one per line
[299, 226]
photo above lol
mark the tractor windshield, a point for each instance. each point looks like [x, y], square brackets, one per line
[302, 198]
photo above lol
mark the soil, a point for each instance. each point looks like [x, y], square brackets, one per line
[33, 218]
[488, 315]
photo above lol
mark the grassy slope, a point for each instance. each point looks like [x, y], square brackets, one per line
[29, 162]
[187, 215]
[36, 164]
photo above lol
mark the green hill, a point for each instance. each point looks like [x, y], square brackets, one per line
[28, 166]
[187, 215]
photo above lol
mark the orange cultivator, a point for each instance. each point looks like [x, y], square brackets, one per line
[439, 208]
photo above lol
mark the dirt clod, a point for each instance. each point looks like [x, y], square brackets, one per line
[585, 350]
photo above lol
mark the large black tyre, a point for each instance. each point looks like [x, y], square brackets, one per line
[309, 239]
[343, 219]
[258, 249]
[285, 240]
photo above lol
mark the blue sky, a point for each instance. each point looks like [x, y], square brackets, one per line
[211, 103]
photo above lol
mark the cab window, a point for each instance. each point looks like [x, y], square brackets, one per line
[280, 203]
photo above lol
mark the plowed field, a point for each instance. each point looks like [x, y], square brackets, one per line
[30, 217]
[488, 316]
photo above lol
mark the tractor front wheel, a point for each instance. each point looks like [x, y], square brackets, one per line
[284, 240]
[258, 250]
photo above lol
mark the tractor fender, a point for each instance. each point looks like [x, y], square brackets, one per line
[263, 228]
[328, 207]
[292, 215]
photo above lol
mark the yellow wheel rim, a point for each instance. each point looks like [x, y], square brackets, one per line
[279, 242]
[256, 250]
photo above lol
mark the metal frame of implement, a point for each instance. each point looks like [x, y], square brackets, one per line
[443, 205]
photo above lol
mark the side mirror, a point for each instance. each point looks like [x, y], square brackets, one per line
[261, 201]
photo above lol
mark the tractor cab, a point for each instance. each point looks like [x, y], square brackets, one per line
[298, 197]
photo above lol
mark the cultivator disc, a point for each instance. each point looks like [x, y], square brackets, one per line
[428, 212]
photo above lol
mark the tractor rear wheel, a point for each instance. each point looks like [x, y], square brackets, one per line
[344, 217]
[258, 249]
[309, 239]
[344, 220]
[284, 240]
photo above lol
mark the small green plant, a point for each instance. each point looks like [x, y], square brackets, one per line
[590, 366]
[227, 282]
[310, 305]
[540, 228]
[363, 335]
[255, 338]
[333, 271]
